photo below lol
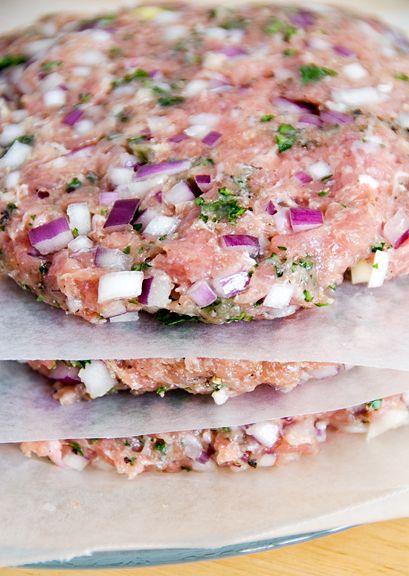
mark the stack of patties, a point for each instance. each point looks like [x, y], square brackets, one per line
[217, 165]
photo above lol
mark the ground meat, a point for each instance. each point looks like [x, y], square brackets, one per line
[256, 445]
[223, 164]
[221, 378]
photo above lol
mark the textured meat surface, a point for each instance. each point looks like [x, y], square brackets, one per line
[264, 444]
[281, 109]
[226, 378]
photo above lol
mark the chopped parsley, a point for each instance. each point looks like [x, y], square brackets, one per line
[378, 247]
[374, 405]
[6, 215]
[130, 461]
[43, 268]
[171, 318]
[284, 248]
[266, 117]
[285, 137]
[127, 250]
[332, 287]
[311, 73]
[8, 60]
[84, 97]
[202, 161]
[323, 193]
[76, 448]
[161, 391]
[141, 266]
[115, 52]
[290, 52]
[242, 317]
[80, 363]
[73, 184]
[75, 232]
[226, 429]
[402, 76]
[234, 22]
[287, 30]
[91, 177]
[50, 65]
[278, 265]
[225, 208]
[160, 446]
[308, 297]
[138, 74]
[304, 263]
[251, 462]
[170, 99]
[137, 226]
[26, 139]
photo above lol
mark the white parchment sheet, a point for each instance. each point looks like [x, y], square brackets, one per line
[53, 513]
[363, 327]
[28, 411]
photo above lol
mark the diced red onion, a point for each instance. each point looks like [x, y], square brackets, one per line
[305, 219]
[233, 51]
[168, 168]
[396, 228]
[200, 184]
[401, 240]
[107, 198]
[64, 373]
[219, 85]
[178, 137]
[51, 236]
[271, 209]
[203, 458]
[156, 290]
[231, 285]
[122, 213]
[201, 293]
[118, 285]
[303, 18]
[251, 243]
[72, 117]
[179, 193]
[303, 177]
[158, 196]
[309, 119]
[334, 117]
[112, 258]
[211, 138]
[287, 105]
[343, 51]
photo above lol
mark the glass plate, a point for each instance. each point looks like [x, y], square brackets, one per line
[138, 558]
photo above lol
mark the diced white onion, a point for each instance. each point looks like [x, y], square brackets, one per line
[180, 192]
[90, 57]
[96, 378]
[54, 98]
[158, 123]
[361, 272]
[15, 156]
[355, 71]
[12, 179]
[10, 132]
[80, 244]
[319, 170]
[37, 47]
[353, 97]
[73, 304]
[267, 433]
[140, 188]
[160, 290]
[116, 285]
[161, 225]
[120, 176]
[379, 269]
[206, 118]
[173, 33]
[195, 87]
[84, 126]
[302, 432]
[100, 35]
[126, 317]
[220, 396]
[266, 460]
[203, 467]
[79, 217]
[52, 81]
[392, 418]
[192, 446]
[75, 461]
[368, 180]
[197, 131]
[318, 43]
[82, 71]
[403, 120]
[279, 296]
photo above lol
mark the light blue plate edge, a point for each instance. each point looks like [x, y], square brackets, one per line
[140, 558]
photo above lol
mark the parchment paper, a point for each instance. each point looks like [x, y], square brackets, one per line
[28, 412]
[52, 513]
[363, 327]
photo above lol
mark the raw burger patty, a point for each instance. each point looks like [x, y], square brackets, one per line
[255, 445]
[221, 164]
[221, 378]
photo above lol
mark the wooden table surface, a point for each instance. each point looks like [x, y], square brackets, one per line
[374, 550]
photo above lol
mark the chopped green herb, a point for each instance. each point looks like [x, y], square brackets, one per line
[278, 265]
[127, 250]
[80, 363]
[103, 211]
[137, 227]
[115, 51]
[311, 73]
[304, 263]
[73, 185]
[374, 405]
[332, 287]
[252, 463]
[323, 193]
[321, 304]
[282, 248]
[226, 207]
[91, 177]
[127, 443]
[171, 318]
[8, 60]
[141, 267]
[26, 139]
[84, 97]
[161, 391]
[122, 117]
[162, 238]
[266, 118]
[137, 74]
[160, 446]
[202, 161]
[287, 30]
[234, 22]
[75, 232]
[243, 317]
[50, 65]
[170, 99]
[308, 297]
[376, 266]
[130, 461]
[226, 429]
[6, 215]
[76, 448]
[402, 76]
[378, 247]
[325, 178]
[136, 140]
[43, 268]
[290, 52]
[286, 137]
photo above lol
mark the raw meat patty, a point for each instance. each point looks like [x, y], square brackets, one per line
[257, 445]
[216, 164]
[222, 379]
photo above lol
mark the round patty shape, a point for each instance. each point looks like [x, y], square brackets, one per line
[264, 444]
[217, 164]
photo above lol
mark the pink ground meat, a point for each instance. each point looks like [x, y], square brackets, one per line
[225, 164]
